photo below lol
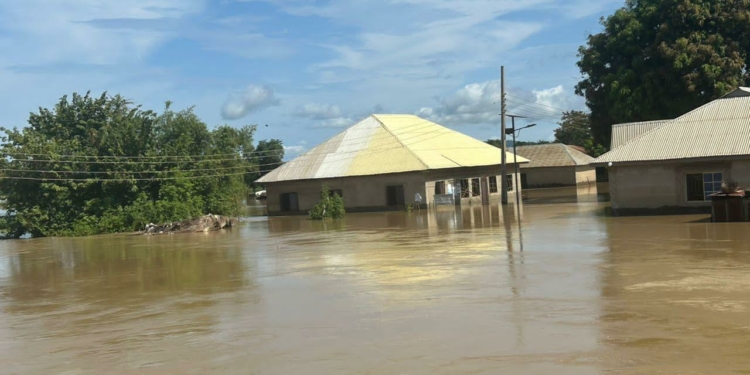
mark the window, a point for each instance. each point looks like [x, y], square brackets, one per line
[509, 179]
[475, 187]
[338, 192]
[493, 184]
[524, 181]
[289, 202]
[464, 188]
[700, 186]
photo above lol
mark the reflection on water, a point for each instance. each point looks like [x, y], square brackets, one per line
[563, 290]
[587, 193]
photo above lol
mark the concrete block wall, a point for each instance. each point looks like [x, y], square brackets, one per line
[656, 185]
[369, 192]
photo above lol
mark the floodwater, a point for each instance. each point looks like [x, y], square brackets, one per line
[568, 291]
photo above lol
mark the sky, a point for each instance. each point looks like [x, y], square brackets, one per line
[305, 68]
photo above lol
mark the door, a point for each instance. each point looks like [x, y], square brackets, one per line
[440, 188]
[289, 202]
[395, 195]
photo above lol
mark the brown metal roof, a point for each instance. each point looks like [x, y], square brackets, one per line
[623, 133]
[552, 155]
[718, 128]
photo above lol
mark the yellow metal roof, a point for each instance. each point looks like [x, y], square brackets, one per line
[382, 144]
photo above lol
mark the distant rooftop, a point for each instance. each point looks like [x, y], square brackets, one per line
[553, 155]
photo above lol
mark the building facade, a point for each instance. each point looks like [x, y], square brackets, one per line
[680, 163]
[385, 162]
[555, 165]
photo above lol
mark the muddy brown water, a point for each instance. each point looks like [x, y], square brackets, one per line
[445, 292]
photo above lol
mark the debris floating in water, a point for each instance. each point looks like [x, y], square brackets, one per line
[205, 223]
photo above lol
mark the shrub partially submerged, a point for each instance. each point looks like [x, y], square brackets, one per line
[330, 206]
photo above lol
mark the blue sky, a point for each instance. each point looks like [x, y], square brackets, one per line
[307, 68]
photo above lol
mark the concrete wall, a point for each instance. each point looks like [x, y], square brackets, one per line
[655, 185]
[740, 172]
[369, 192]
[585, 175]
[550, 176]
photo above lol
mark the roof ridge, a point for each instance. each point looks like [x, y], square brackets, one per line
[399, 140]
[565, 147]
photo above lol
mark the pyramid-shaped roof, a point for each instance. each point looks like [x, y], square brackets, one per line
[383, 144]
[718, 128]
[552, 155]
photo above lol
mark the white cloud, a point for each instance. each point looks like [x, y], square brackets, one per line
[252, 99]
[318, 111]
[479, 103]
[339, 122]
[294, 150]
[66, 31]
[552, 98]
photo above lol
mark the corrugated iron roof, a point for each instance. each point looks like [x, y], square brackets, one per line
[718, 128]
[382, 144]
[623, 133]
[552, 155]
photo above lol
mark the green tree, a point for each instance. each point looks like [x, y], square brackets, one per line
[270, 155]
[330, 206]
[658, 59]
[574, 129]
[94, 165]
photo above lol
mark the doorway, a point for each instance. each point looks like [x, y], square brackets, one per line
[289, 202]
[394, 195]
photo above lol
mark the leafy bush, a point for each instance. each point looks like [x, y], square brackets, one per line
[330, 206]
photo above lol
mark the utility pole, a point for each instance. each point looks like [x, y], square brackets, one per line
[515, 159]
[504, 168]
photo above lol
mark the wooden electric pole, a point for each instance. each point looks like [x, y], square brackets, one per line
[504, 168]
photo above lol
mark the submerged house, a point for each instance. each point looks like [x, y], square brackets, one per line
[383, 162]
[555, 164]
[681, 162]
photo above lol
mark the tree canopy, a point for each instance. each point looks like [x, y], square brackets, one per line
[658, 59]
[94, 165]
[270, 155]
[575, 128]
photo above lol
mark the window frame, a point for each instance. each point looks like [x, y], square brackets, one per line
[713, 182]
[492, 182]
[476, 183]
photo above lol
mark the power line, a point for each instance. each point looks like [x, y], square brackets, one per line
[209, 158]
[300, 163]
[127, 172]
[204, 156]
[537, 103]
[118, 179]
